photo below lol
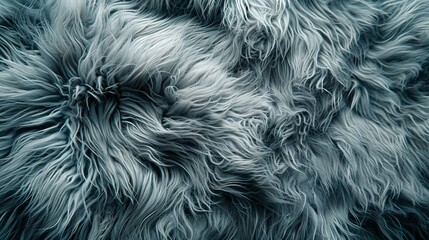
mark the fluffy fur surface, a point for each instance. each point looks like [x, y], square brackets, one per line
[214, 119]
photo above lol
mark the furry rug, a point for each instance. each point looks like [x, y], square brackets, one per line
[214, 119]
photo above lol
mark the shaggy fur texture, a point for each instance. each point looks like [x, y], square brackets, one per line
[214, 119]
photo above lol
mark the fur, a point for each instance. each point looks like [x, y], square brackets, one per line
[206, 119]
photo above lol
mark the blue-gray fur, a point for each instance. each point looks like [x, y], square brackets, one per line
[206, 119]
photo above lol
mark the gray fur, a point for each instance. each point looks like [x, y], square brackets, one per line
[204, 119]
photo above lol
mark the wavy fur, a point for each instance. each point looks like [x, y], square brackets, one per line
[204, 119]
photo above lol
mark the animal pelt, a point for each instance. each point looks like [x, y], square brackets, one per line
[214, 119]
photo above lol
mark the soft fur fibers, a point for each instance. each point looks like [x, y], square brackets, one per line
[214, 119]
